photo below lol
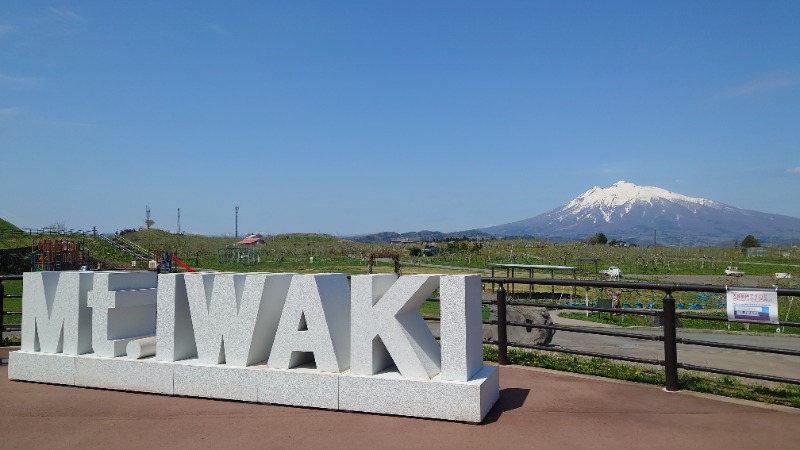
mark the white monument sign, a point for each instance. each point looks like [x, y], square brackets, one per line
[302, 340]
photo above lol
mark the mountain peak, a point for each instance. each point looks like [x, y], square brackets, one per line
[630, 212]
[625, 194]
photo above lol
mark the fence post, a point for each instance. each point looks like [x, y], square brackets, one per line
[2, 311]
[670, 344]
[502, 337]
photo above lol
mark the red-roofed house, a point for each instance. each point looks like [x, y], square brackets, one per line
[251, 241]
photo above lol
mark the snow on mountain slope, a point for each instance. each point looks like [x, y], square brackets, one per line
[621, 198]
[632, 213]
[624, 195]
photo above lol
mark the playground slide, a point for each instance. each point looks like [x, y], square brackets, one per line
[182, 264]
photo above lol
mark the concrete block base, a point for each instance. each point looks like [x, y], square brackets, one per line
[54, 368]
[123, 374]
[297, 387]
[195, 379]
[384, 393]
[388, 393]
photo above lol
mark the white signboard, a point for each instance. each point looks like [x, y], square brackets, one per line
[305, 340]
[753, 305]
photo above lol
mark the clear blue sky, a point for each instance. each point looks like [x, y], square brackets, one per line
[366, 116]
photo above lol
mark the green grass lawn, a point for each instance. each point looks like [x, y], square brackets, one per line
[783, 394]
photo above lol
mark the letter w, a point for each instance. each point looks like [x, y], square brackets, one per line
[235, 316]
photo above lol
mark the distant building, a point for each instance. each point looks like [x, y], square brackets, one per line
[402, 241]
[430, 250]
[754, 251]
[251, 241]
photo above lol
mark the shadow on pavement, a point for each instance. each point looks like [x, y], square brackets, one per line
[510, 399]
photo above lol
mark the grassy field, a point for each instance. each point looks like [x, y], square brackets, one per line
[293, 251]
[314, 253]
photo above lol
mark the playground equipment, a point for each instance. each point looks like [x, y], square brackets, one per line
[164, 260]
[54, 255]
[182, 264]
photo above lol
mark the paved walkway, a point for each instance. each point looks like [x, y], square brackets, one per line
[537, 409]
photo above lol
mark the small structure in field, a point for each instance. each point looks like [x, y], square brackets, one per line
[254, 240]
[375, 256]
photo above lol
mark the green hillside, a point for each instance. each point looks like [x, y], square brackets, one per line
[8, 227]
[188, 246]
[324, 253]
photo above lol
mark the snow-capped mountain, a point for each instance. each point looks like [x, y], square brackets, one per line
[644, 214]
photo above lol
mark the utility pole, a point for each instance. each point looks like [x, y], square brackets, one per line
[179, 221]
[149, 223]
[237, 222]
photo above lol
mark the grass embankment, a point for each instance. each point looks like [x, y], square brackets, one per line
[297, 253]
[787, 395]
[8, 227]
[292, 252]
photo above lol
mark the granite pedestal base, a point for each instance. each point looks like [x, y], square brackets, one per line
[384, 393]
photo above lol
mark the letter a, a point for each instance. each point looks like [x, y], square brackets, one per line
[315, 319]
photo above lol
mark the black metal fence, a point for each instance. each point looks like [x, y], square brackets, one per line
[667, 315]
[4, 327]
[48, 232]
